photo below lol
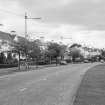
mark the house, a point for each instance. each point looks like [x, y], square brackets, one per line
[6, 40]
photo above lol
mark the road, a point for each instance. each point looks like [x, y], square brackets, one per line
[49, 86]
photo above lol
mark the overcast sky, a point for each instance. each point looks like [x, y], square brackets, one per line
[81, 20]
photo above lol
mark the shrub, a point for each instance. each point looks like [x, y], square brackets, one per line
[8, 65]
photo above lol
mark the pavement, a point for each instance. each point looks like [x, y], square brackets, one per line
[49, 86]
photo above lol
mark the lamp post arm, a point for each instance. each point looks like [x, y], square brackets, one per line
[34, 18]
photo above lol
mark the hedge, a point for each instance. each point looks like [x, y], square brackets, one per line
[8, 65]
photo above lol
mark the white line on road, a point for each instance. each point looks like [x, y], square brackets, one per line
[23, 89]
[44, 79]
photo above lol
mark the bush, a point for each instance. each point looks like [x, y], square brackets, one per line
[8, 65]
[77, 60]
[42, 62]
[11, 62]
[2, 58]
[68, 60]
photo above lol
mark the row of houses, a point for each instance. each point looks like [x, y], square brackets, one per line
[87, 52]
[6, 40]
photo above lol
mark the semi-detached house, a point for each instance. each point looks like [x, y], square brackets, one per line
[6, 40]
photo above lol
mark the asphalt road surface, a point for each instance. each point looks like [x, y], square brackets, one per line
[49, 86]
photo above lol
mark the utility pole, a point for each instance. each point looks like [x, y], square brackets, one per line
[26, 33]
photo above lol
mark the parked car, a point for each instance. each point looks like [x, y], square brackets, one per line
[102, 61]
[78, 60]
[86, 61]
[63, 62]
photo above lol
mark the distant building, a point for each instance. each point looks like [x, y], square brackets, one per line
[90, 52]
[86, 51]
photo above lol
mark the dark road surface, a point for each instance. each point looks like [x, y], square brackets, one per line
[49, 86]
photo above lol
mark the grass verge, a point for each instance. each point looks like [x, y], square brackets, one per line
[92, 87]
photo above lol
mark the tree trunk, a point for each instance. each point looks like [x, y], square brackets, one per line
[56, 61]
[19, 60]
[36, 62]
[73, 59]
[50, 60]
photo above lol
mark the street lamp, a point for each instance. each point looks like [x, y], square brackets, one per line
[26, 35]
[62, 38]
[26, 17]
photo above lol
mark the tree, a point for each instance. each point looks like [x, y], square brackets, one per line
[9, 56]
[75, 52]
[54, 51]
[75, 45]
[62, 51]
[21, 47]
[2, 58]
[35, 51]
[29, 49]
[103, 52]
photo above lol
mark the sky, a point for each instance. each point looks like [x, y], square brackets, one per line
[77, 21]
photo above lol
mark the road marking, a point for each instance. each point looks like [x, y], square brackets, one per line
[23, 89]
[44, 79]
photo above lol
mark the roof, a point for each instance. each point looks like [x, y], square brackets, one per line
[5, 36]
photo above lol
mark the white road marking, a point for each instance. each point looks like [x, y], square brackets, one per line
[44, 79]
[23, 89]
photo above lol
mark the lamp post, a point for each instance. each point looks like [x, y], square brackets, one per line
[64, 38]
[26, 17]
[26, 35]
